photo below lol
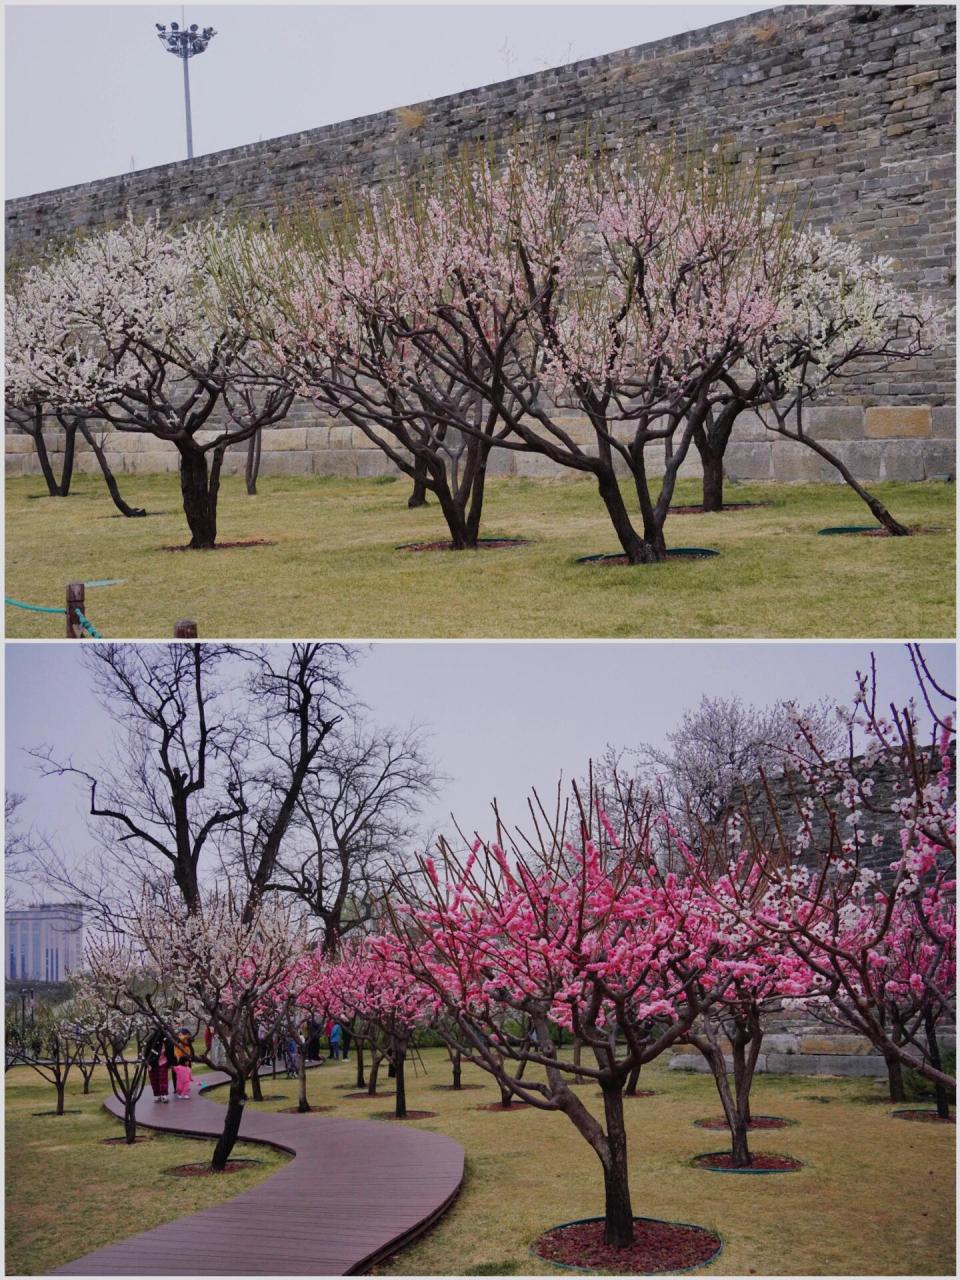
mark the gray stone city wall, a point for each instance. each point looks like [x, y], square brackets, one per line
[851, 107]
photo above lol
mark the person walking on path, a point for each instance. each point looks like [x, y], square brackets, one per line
[336, 1035]
[182, 1066]
[158, 1055]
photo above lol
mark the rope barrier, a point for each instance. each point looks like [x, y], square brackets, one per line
[33, 608]
[86, 624]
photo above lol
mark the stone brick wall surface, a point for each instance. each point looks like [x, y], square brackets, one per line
[849, 106]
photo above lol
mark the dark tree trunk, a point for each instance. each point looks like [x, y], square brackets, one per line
[252, 469]
[618, 1212]
[361, 1081]
[933, 1048]
[302, 1103]
[46, 470]
[400, 1110]
[112, 487]
[632, 1081]
[231, 1127]
[461, 538]
[199, 486]
[736, 1122]
[69, 455]
[130, 1119]
[506, 1094]
[391, 1068]
[712, 481]
[878, 510]
[418, 498]
[636, 549]
[376, 1059]
[61, 1092]
[898, 1092]
[457, 1070]
[255, 1085]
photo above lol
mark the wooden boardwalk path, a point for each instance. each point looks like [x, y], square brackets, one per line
[355, 1192]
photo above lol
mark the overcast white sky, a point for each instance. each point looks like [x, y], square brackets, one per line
[91, 92]
[504, 717]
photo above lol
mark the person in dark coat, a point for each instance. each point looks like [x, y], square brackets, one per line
[158, 1053]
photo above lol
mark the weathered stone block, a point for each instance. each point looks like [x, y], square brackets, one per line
[943, 423]
[335, 462]
[796, 464]
[341, 437]
[902, 461]
[535, 464]
[292, 462]
[283, 438]
[863, 457]
[886, 422]
[939, 459]
[749, 461]
[834, 422]
[838, 1044]
[374, 462]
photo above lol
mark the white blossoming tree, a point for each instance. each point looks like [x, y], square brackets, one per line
[122, 326]
[838, 315]
[223, 967]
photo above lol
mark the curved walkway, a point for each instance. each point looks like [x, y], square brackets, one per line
[355, 1192]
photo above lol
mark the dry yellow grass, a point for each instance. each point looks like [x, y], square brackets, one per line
[334, 570]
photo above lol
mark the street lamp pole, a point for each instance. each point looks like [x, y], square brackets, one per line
[185, 45]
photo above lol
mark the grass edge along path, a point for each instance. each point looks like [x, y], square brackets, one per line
[335, 570]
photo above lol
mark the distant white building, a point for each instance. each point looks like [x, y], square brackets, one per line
[44, 943]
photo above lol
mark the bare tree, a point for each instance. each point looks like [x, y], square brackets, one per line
[354, 817]
[211, 741]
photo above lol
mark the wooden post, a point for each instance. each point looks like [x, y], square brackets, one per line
[75, 601]
[185, 629]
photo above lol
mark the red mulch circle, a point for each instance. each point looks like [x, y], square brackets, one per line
[411, 1115]
[727, 506]
[657, 1246]
[448, 1088]
[642, 1093]
[759, 1161]
[295, 1111]
[122, 1142]
[223, 546]
[925, 1117]
[201, 1168]
[380, 1093]
[758, 1122]
[499, 1106]
[485, 544]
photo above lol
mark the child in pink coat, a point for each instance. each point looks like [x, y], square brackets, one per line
[182, 1074]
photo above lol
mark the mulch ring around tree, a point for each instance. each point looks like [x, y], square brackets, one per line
[223, 546]
[758, 1122]
[483, 544]
[448, 1088]
[871, 530]
[122, 1142]
[67, 1111]
[760, 1162]
[202, 1169]
[411, 1115]
[673, 553]
[657, 1246]
[925, 1117]
[380, 1093]
[295, 1111]
[500, 1106]
[727, 506]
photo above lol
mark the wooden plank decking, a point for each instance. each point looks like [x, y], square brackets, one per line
[355, 1192]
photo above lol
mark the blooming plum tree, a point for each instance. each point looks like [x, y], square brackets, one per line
[583, 934]
[123, 325]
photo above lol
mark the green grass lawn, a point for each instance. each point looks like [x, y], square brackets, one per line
[875, 1198]
[335, 572]
[67, 1194]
